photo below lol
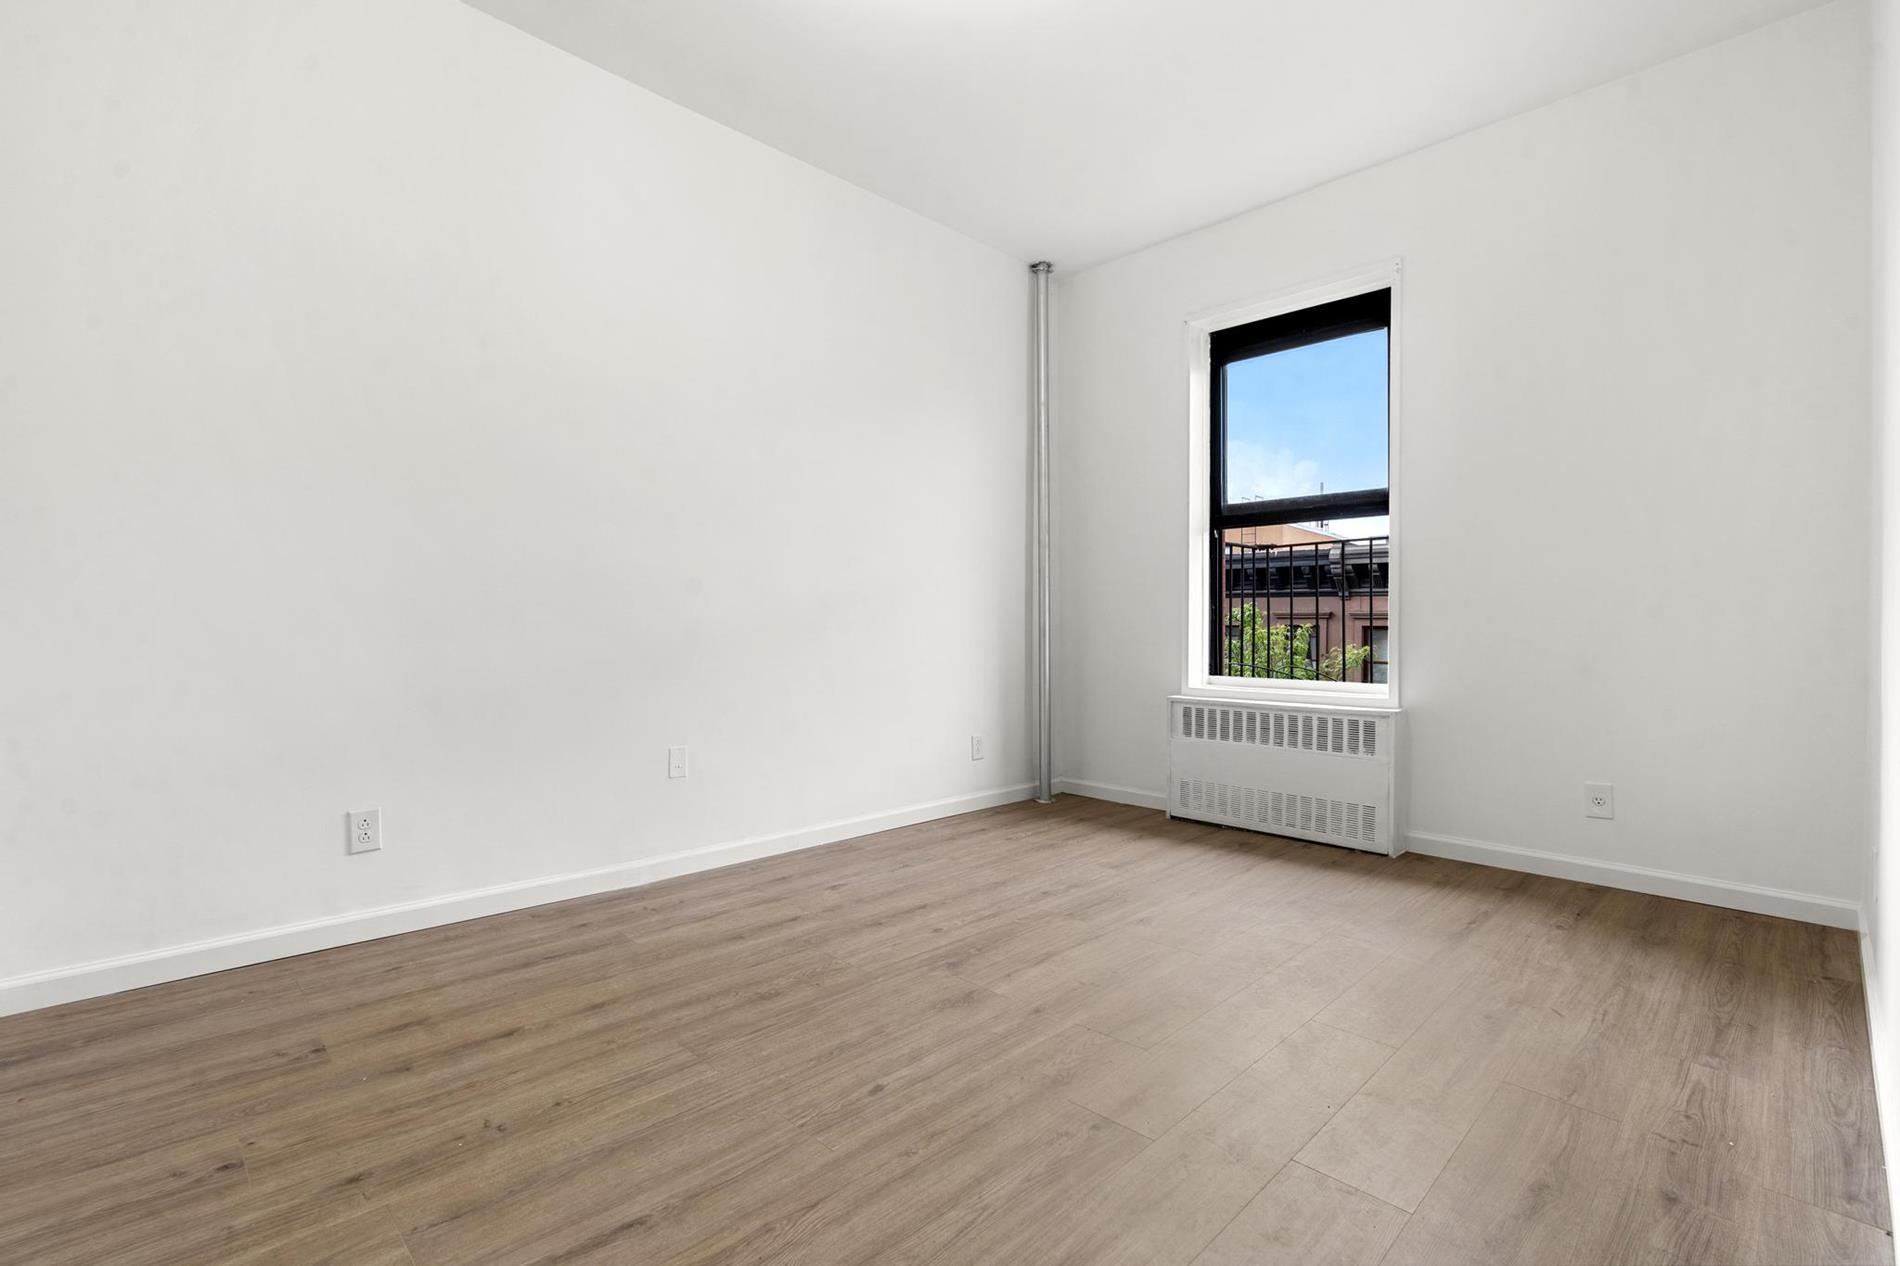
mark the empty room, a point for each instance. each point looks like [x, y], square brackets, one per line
[1210, 633]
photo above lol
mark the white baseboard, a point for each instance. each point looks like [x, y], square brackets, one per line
[1885, 1101]
[1114, 792]
[133, 971]
[1807, 907]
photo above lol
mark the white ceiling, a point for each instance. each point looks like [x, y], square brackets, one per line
[1076, 130]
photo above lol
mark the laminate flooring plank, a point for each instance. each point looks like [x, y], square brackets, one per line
[1398, 1132]
[1519, 1191]
[1172, 1199]
[1304, 1218]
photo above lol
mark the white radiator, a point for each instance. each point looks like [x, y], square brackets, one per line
[1314, 772]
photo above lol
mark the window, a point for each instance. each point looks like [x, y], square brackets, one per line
[1300, 497]
[1376, 662]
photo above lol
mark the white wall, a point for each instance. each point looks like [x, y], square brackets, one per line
[1635, 471]
[1881, 941]
[395, 411]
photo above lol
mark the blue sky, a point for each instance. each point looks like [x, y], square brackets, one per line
[1311, 416]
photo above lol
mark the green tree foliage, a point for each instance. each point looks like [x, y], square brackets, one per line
[1255, 649]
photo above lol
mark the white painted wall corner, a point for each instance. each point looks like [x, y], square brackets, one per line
[1877, 1039]
[1114, 792]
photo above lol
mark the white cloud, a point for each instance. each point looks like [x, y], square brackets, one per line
[1353, 528]
[1256, 473]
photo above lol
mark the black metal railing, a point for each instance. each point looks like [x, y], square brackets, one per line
[1314, 610]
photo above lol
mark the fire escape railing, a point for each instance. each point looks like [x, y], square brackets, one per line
[1312, 610]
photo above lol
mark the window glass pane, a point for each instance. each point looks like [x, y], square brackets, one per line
[1308, 420]
[1302, 420]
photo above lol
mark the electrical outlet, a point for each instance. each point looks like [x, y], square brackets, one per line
[366, 831]
[676, 762]
[1599, 800]
[976, 747]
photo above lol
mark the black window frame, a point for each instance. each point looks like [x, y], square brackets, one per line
[1321, 323]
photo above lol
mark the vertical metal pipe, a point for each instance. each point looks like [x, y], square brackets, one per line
[1045, 727]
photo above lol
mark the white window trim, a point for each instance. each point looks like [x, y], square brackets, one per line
[1196, 680]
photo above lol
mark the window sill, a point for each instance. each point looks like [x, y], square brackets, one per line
[1327, 694]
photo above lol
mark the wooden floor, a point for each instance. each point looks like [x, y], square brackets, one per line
[1031, 1035]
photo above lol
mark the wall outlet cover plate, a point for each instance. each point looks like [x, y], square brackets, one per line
[366, 831]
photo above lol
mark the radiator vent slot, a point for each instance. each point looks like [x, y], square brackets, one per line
[1273, 809]
[1272, 727]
